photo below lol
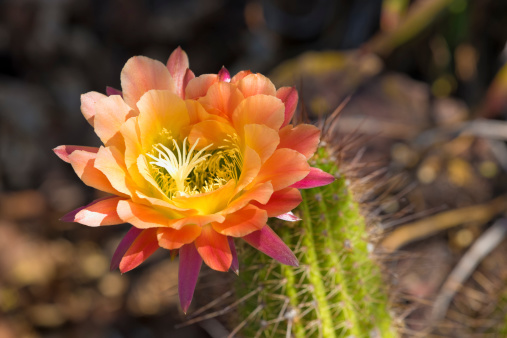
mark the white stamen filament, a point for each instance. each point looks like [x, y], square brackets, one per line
[179, 168]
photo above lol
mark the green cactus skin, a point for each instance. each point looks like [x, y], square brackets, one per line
[337, 290]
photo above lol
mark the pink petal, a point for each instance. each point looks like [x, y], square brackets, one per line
[99, 212]
[63, 152]
[235, 263]
[224, 75]
[143, 247]
[190, 265]
[316, 178]
[178, 65]
[268, 242]
[113, 91]
[124, 245]
[289, 96]
[288, 216]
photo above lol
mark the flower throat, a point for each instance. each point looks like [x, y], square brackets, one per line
[179, 172]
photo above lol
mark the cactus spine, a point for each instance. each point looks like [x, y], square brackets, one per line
[337, 290]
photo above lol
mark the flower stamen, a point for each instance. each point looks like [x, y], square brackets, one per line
[179, 168]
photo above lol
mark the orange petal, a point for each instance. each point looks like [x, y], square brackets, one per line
[64, 151]
[88, 105]
[178, 65]
[211, 132]
[251, 167]
[197, 113]
[164, 204]
[130, 133]
[144, 217]
[240, 75]
[198, 87]
[283, 168]
[159, 110]
[174, 239]
[214, 249]
[83, 163]
[207, 203]
[262, 139]
[223, 98]
[254, 84]
[99, 212]
[110, 114]
[281, 202]
[259, 109]
[143, 247]
[141, 216]
[141, 74]
[242, 222]
[304, 138]
[110, 162]
[260, 193]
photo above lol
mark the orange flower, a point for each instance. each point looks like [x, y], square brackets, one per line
[193, 162]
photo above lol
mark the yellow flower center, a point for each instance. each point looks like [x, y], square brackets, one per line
[179, 172]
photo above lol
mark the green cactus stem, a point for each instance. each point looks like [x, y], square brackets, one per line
[337, 290]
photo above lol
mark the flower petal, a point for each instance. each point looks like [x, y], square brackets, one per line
[289, 216]
[259, 109]
[262, 139]
[110, 114]
[142, 247]
[242, 222]
[211, 132]
[88, 105]
[240, 76]
[113, 91]
[268, 242]
[83, 163]
[197, 113]
[207, 203]
[143, 217]
[141, 74]
[173, 239]
[99, 212]
[235, 263]
[283, 168]
[260, 193]
[281, 202]
[316, 178]
[190, 265]
[159, 110]
[178, 65]
[130, 133]
[304, 138]
[64, 151]
[250, 170]
[254, 84]
[224, 75]
[198, 87]
[110, 162]
[122, 248]
[289, 96]
[189, 75]
[214, 249]
[221, 99]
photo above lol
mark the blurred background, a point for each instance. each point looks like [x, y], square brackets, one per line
[427, 82]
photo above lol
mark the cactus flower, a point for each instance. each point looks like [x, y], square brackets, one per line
[192, 163]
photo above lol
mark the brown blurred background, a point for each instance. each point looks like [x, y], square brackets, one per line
[419, 73]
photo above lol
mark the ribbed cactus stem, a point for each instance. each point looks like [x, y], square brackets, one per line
[336, 291]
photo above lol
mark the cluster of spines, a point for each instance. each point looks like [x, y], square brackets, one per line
[337, 290]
